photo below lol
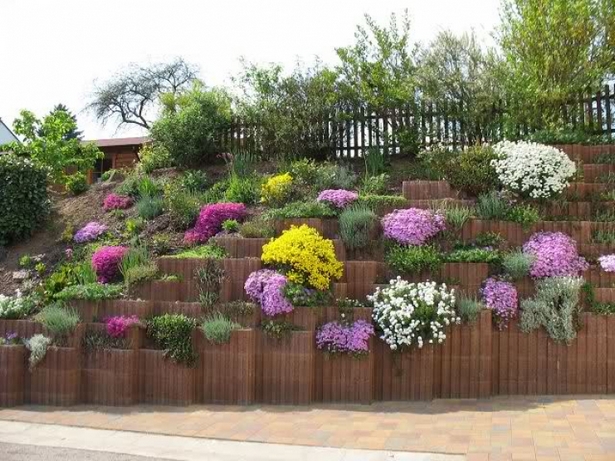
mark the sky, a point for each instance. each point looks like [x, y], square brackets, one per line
[53, 51]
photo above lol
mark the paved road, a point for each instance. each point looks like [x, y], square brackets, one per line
[14, 452]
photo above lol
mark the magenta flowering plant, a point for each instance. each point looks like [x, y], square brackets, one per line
[118, 325]
[116, 202]
[266, 287]
[339, 198]
[607, 263]
[413, 226]
[210, 220]
[106, 262]
[501, 297]
[339, 338]
[91, 231]
[555, 255]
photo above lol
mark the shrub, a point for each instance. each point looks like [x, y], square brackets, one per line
[59, 320]
[265, 287]
[149, 207]
[37, 345]
[501, 297]
[15, 307]
[106, 262]
[334, 176]
[412, 226]
[117, 326]
[231, 226]
[277, 189]
[374, 184]
[194, 180]
[161, 244]
[90, 292]
[136, 266]
[90, 232]
[555, 255]
[533, 170]
[259, 227]
[217, 329]
[607, 263]
[379, 202]
[203, 251]
[492, 206]
[413, 259]
[242, 190]
[523, 214]
[173, 333]
[517, 264]
[210, 220]
[555, 307]
[117, 202]
[153, 157]
[306, 257]
[77, 183]
[357, 225]
[472, 171]
[456, 216]
[474, 255]
[338, 198]
[308, 209]
[24, 203]
[338, 338]
[183, 206]
[469, 308]
[410, 314]
[375, 161]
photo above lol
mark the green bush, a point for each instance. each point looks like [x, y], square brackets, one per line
[492, 206]
[517, 264]
[210, 251]
[77, 183]
[149, 207]
[523, 214]
[378, 202]
[469, 308]
[24, 203]
[194, 180]
[456, 216]
[357, 224]
[311, 209]
[59, 320]
[243, 190]
[259, 227]
[231, 226]
[183, 206]
[471, 170]
[413, 259]
[217, 328]
[153, 157]
[173, 334]
[374, 185]
[334, 176]
[474, 255]
[375, 161]
[90, 291]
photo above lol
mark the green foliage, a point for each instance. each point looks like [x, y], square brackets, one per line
[173, 333]
[524, 214]
[137, 266]
[492, 206]
[434, 162]
[134, 226]
[569, 136]
[413, 259]
[456, 216]
[149, 207]
[357, 224]
[334, 176]
[298, 295]
[259, 227]
[194, 180]
[211, 251]
[191, 131]
[309, 209]
[153, 157]
[489, 239]
[603, 236]
[90, 291]
[469, 308]
[374, 185]
[100, 340]
[375, 161]
[26, 261]
[243, 190]
[378, 202]
[471, 170]
[605, 158]
[59, 320]
[241, 163]
[517, 264]
[77, 183]
[231, 226]
[183, 205]
[555, 307]
[278, 329]
[474, 255]
[24, 203]
[148, 187]
[209, 279]
[161, 244]
[217, 328]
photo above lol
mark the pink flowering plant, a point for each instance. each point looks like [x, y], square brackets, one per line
[339, 198]
[106, 262]
[339, 338]
[607, 263]
[118, 326]
[413, 226]
[501, 297]
[555, 255]
[117, 202]
[90, 232]
[266, 287]
[210, 220]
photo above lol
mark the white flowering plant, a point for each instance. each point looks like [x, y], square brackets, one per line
[15, 307]
[533, 170]
[413, 314]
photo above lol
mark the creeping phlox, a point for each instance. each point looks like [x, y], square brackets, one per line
[607, 263]
[410, 314]
[412, 226]
[533, 170]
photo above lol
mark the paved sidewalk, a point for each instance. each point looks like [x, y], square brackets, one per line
[509, 429]
[79, 444]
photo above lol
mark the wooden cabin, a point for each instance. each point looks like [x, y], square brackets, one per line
[119, 153]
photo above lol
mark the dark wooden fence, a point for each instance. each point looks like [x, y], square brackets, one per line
[346, 133]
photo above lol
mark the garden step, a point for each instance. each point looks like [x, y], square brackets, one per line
[427, 190]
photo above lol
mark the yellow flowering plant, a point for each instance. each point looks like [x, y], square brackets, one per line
[277, 189]
[304, 256]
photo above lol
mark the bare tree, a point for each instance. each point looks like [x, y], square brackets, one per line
[129, 96]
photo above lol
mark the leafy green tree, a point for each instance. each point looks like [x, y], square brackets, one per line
[75, 133]
[45, 142]
[555, 50]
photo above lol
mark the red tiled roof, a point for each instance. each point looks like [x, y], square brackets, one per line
[115, 142]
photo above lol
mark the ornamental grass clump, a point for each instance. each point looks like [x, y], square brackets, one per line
[517, 264]
[338, 338]
[533, 170]
[409, 314]
[90, 232]
[117, 202]
[304, 256]
[555, 255]
[106, 262]
[607, 263]
[501, 297]
[413, 226]
[339, 198]
[210, 220]
[266, 287]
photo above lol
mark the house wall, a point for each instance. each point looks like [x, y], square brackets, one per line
[5, 135]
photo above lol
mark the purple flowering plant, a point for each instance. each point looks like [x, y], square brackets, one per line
[106, 262]
[10, 339]
[339, 338]
[501, 297]
[555, 255]
[266, 287]
[90, 232]
[413, 226]
[607, 263]
[210, 220]
[118, 325]
[117, 202]
[339, 198]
